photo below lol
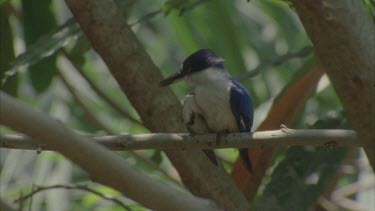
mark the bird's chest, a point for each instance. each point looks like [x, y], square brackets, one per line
[215, 105]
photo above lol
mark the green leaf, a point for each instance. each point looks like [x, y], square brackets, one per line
[39, 20]
[7, 52]
[80, 48]
[157, 157]
[287, 23]
[45, 46]
[300, 178]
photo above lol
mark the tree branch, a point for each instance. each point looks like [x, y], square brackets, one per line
[170, 141]
[102, 165]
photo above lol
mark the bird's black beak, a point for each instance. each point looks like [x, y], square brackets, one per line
[172, 78]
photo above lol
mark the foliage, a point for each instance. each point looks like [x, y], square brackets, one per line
[250, 36]
[304, 172]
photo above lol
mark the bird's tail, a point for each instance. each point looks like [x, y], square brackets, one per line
[211, 155]
[245, 159]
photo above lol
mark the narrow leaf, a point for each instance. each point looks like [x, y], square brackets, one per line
[38, 20]
[44, 47]
[7, 52]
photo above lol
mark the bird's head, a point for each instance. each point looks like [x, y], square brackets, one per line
[197, 62]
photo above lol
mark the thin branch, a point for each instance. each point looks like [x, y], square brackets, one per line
[99, 92]
[5, 206]
[351, 189]
[278, 138]
[172, 177]
[102, 165]
[80, 102]
[277, 61]
[72, 187]
[326, 204]
[12, 10]
[31, 199]
[338, 198]
[178, 5]
[146, 17]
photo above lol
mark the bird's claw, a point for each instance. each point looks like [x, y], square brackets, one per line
[284, 128]
[330, 145]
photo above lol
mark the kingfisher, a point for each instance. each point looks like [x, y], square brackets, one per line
[218, 104]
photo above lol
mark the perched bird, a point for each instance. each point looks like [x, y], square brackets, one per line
[219, 104]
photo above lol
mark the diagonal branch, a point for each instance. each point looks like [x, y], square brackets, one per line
[99, 92]
[105, 167]
[81, 103]
[329, 138]
[93, 119]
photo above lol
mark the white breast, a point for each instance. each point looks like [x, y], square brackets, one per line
[212, 95]
[216, 108]
[192, 116]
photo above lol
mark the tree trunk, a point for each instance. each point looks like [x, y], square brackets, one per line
[343, 35]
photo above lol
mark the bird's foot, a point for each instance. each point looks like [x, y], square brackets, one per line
[284, 128]
[330, 145]
[220, 135]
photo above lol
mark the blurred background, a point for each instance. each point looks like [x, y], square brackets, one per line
[48, 63]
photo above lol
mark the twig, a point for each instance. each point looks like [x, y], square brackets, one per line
[326, 204]
[351, 189]
[78, 99]
[276, 61]
[12, 10]
[20, 203]
[146, 17]
[183, 9]
[31, 198]
[340, 195]
[172, 177]
[99, 92]
[5, 206]
[186, 141]
[74, 187]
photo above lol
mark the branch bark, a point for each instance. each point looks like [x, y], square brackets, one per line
[105, 167]
[278, 138]
[158, 107]
[343, 35]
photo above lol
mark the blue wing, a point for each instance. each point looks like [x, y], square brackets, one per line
[242, 106]
[243, 111]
